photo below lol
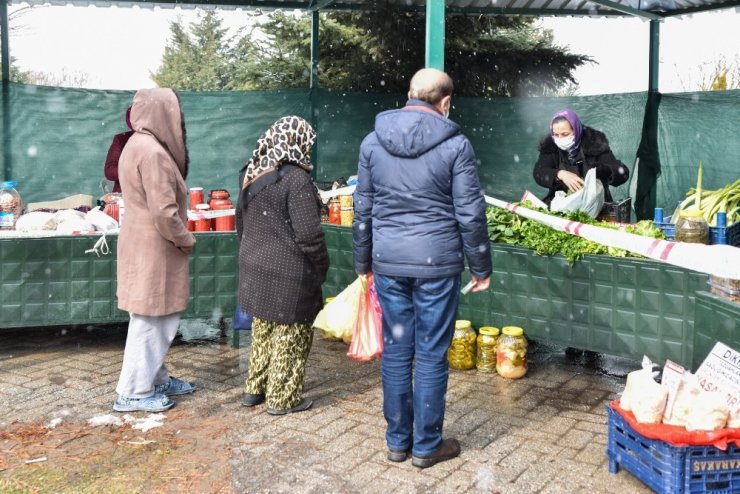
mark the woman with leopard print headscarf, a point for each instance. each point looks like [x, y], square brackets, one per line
[283, 262]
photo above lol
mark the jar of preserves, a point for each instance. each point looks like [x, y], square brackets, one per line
[461, 354]
[11, 206]
[511, 353]
[485, 359]
[691, 227]
[196, 197]
[202, 224]
[219, 200]
[335, 212]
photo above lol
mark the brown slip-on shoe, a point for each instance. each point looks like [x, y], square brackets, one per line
[450, 449]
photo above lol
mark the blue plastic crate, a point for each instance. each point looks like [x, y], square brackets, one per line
[670, 469]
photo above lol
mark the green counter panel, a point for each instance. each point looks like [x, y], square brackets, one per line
[619, 306]
[51, 281]
[716, 320]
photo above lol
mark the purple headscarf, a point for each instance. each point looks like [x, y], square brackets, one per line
[574, 122]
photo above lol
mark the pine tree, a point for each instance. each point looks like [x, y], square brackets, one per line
[368, 50]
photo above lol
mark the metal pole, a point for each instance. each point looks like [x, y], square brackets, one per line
[5, 60]
[314, 86]
[435, 34]
[648, 152]
[314, 82]
[654, 57]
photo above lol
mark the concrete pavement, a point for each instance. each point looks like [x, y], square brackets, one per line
[545, 433]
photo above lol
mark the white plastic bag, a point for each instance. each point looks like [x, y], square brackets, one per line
[36, 221]
[590, 199]
[101, 221]
[643, 396]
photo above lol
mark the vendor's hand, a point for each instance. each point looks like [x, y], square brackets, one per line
[571, 180]
[480, 284]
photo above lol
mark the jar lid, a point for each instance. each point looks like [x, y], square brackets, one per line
[513, 331]
[9, 184]
[488, 331]
[691, 213]
[219, 193]
[462, 324]
[196, 188]
[202, 206]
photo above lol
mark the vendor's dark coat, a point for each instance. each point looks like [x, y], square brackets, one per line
[283, 258]
[595, 153]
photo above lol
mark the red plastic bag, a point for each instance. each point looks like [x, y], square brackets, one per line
[678, 435]
[367, 336]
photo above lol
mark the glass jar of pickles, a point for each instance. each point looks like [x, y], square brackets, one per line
[461, 354]
[692, 227]
[485, 360]
[511, 353]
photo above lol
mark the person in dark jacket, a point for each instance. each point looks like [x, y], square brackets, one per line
[569, 151]
[283, 262]
[419, 211]
[114, 153]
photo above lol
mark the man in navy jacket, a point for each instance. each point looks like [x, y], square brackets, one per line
[418, 209]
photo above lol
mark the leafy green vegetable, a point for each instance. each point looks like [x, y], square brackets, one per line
[510, 228]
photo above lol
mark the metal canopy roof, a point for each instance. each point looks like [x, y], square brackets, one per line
[648, 9]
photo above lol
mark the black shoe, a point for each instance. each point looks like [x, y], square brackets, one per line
[398, 456]
[250, 400]
[450, 449]
[304, 404]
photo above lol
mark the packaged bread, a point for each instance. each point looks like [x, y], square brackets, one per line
[686, 396]
[709, 412]
[643, 396]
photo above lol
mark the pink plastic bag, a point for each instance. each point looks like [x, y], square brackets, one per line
[367, 336]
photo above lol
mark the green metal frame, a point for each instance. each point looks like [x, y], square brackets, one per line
[435, 34]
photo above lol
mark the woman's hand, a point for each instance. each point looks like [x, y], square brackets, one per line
[571, 180]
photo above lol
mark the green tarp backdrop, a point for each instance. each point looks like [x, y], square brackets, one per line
[56, 139]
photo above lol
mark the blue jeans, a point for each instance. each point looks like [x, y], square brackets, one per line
[418, 321]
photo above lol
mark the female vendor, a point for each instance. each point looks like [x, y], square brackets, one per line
[571, 150]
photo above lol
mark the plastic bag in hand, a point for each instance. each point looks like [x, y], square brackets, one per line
[367, 337]
[338, 317]
[590, 199]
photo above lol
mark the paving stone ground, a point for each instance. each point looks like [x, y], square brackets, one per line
[545, 433]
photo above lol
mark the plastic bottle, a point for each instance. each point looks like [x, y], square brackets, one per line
[11, 206]
[461, 354]
[485, 360]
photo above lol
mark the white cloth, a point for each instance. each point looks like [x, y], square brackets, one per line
[147, 343]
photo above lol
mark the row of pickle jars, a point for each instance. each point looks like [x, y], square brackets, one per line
[218, 199]
[490, 350]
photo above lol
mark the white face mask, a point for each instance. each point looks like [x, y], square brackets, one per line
[564, 143]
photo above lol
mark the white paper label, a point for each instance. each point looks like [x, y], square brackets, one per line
[720, 371]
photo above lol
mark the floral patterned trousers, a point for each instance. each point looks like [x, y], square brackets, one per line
[277, 362]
